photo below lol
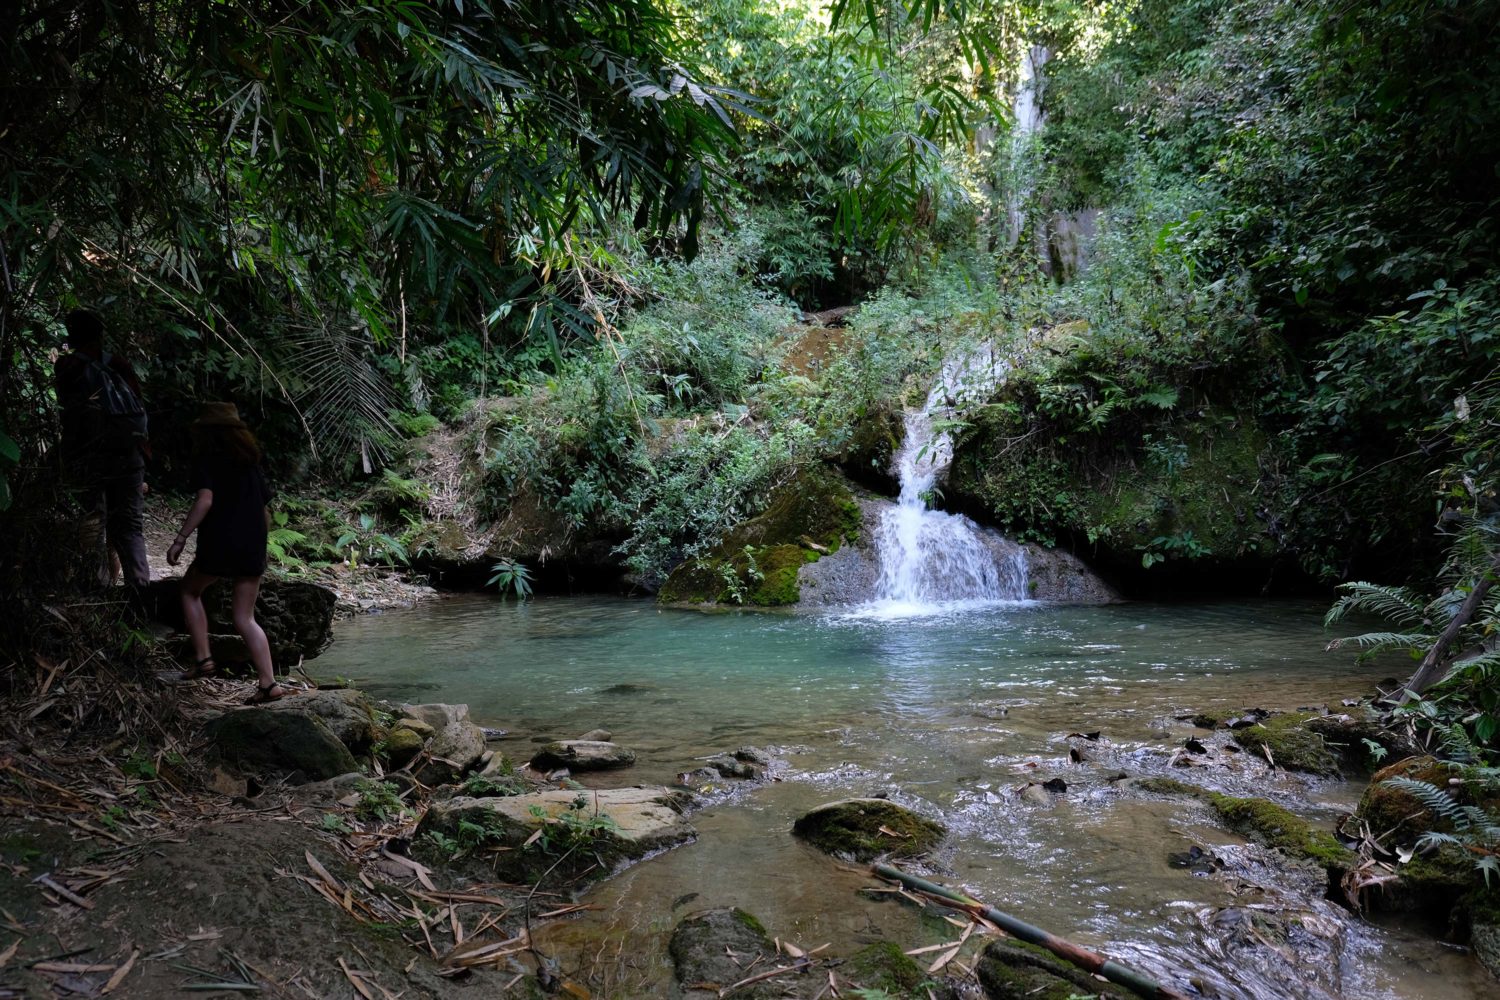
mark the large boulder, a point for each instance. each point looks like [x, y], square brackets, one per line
[582, 755]
[588, 831]
[712, 949]
[297, 616]
[862, 829]
[850, 574]
[452, 752]
[435, 715]
[759, 561]
[346, 712]
[266, 740]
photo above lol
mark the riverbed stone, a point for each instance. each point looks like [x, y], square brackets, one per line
[598, 736]
[885, 967]
[282, 742]
[1273, 826]
[1015, 970]
[582, 755]
[618, 825]
[1484, 938]
[711, 949]
[852, 828]
[436, 714]
[347, 712]
[452, 751]
[402, 746]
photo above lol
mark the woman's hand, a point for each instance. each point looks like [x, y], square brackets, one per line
[174, 551]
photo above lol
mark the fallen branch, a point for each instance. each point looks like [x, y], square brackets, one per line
[1090, 961]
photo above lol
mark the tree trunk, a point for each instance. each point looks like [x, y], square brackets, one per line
[1434, 666]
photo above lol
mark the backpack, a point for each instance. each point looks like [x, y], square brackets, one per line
[117, 417]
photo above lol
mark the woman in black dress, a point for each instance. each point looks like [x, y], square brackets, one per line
[231, 519]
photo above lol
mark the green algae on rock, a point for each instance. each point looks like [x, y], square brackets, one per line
[1015, 970]
[1291, 743]
[884, 966]
[758, 561]
[862, 829]
[1275, 827]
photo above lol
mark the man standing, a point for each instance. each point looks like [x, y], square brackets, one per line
[104, 445]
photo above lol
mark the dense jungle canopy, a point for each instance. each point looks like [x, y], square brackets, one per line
[356, 218]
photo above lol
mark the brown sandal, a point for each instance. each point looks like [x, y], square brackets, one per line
[198, 671]
[263, 693]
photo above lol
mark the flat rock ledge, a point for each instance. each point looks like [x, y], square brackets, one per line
[623, 825]
[863, 829]
[582, 755]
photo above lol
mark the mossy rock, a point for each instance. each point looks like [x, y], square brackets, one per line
[402, 746]
[852, 828]
[1387, 808]
[701, 944]
[757, 562]
[1168, 786]
[1108, 485]
[1015, 970]
[884, 966]
[1293, 744]
[1481, 911]
[284, 742]
[1277, 828]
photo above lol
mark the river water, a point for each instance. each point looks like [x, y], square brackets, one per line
[949, 713]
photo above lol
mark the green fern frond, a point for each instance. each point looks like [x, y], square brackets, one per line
[1398, 604]
[1457, 744]
[1435, 799]
[1372, 643]
[1432, 839]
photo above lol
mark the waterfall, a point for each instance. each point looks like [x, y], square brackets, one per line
[931, 557]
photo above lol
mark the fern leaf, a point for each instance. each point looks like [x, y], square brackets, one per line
[1435, 799]
[1398, 604]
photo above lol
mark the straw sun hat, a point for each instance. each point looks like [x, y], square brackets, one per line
[219, 415]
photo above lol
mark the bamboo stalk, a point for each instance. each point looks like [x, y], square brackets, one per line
[1136, 982]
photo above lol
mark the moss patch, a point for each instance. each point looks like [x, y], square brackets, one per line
[757, 562]
[1169, 786]
[1275, 827]
[1293, 744]
[1015, 970]
[884, 966]
[852, 828]
[1177, 486]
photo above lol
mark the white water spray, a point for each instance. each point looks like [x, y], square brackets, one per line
[930, 557]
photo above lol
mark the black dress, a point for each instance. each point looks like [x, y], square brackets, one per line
[232, 537]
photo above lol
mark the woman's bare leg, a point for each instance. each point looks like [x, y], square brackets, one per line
[194, 583]
[246, 589]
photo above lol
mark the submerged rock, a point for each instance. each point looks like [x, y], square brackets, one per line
[862, 829]
[279, 741]
[598, 735]
[712, 949]
[595, 829]
[1015, 970]
[1271, 825]
[582, 755]
[885, 967]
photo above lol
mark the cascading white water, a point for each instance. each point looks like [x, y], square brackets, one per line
[931, 557]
